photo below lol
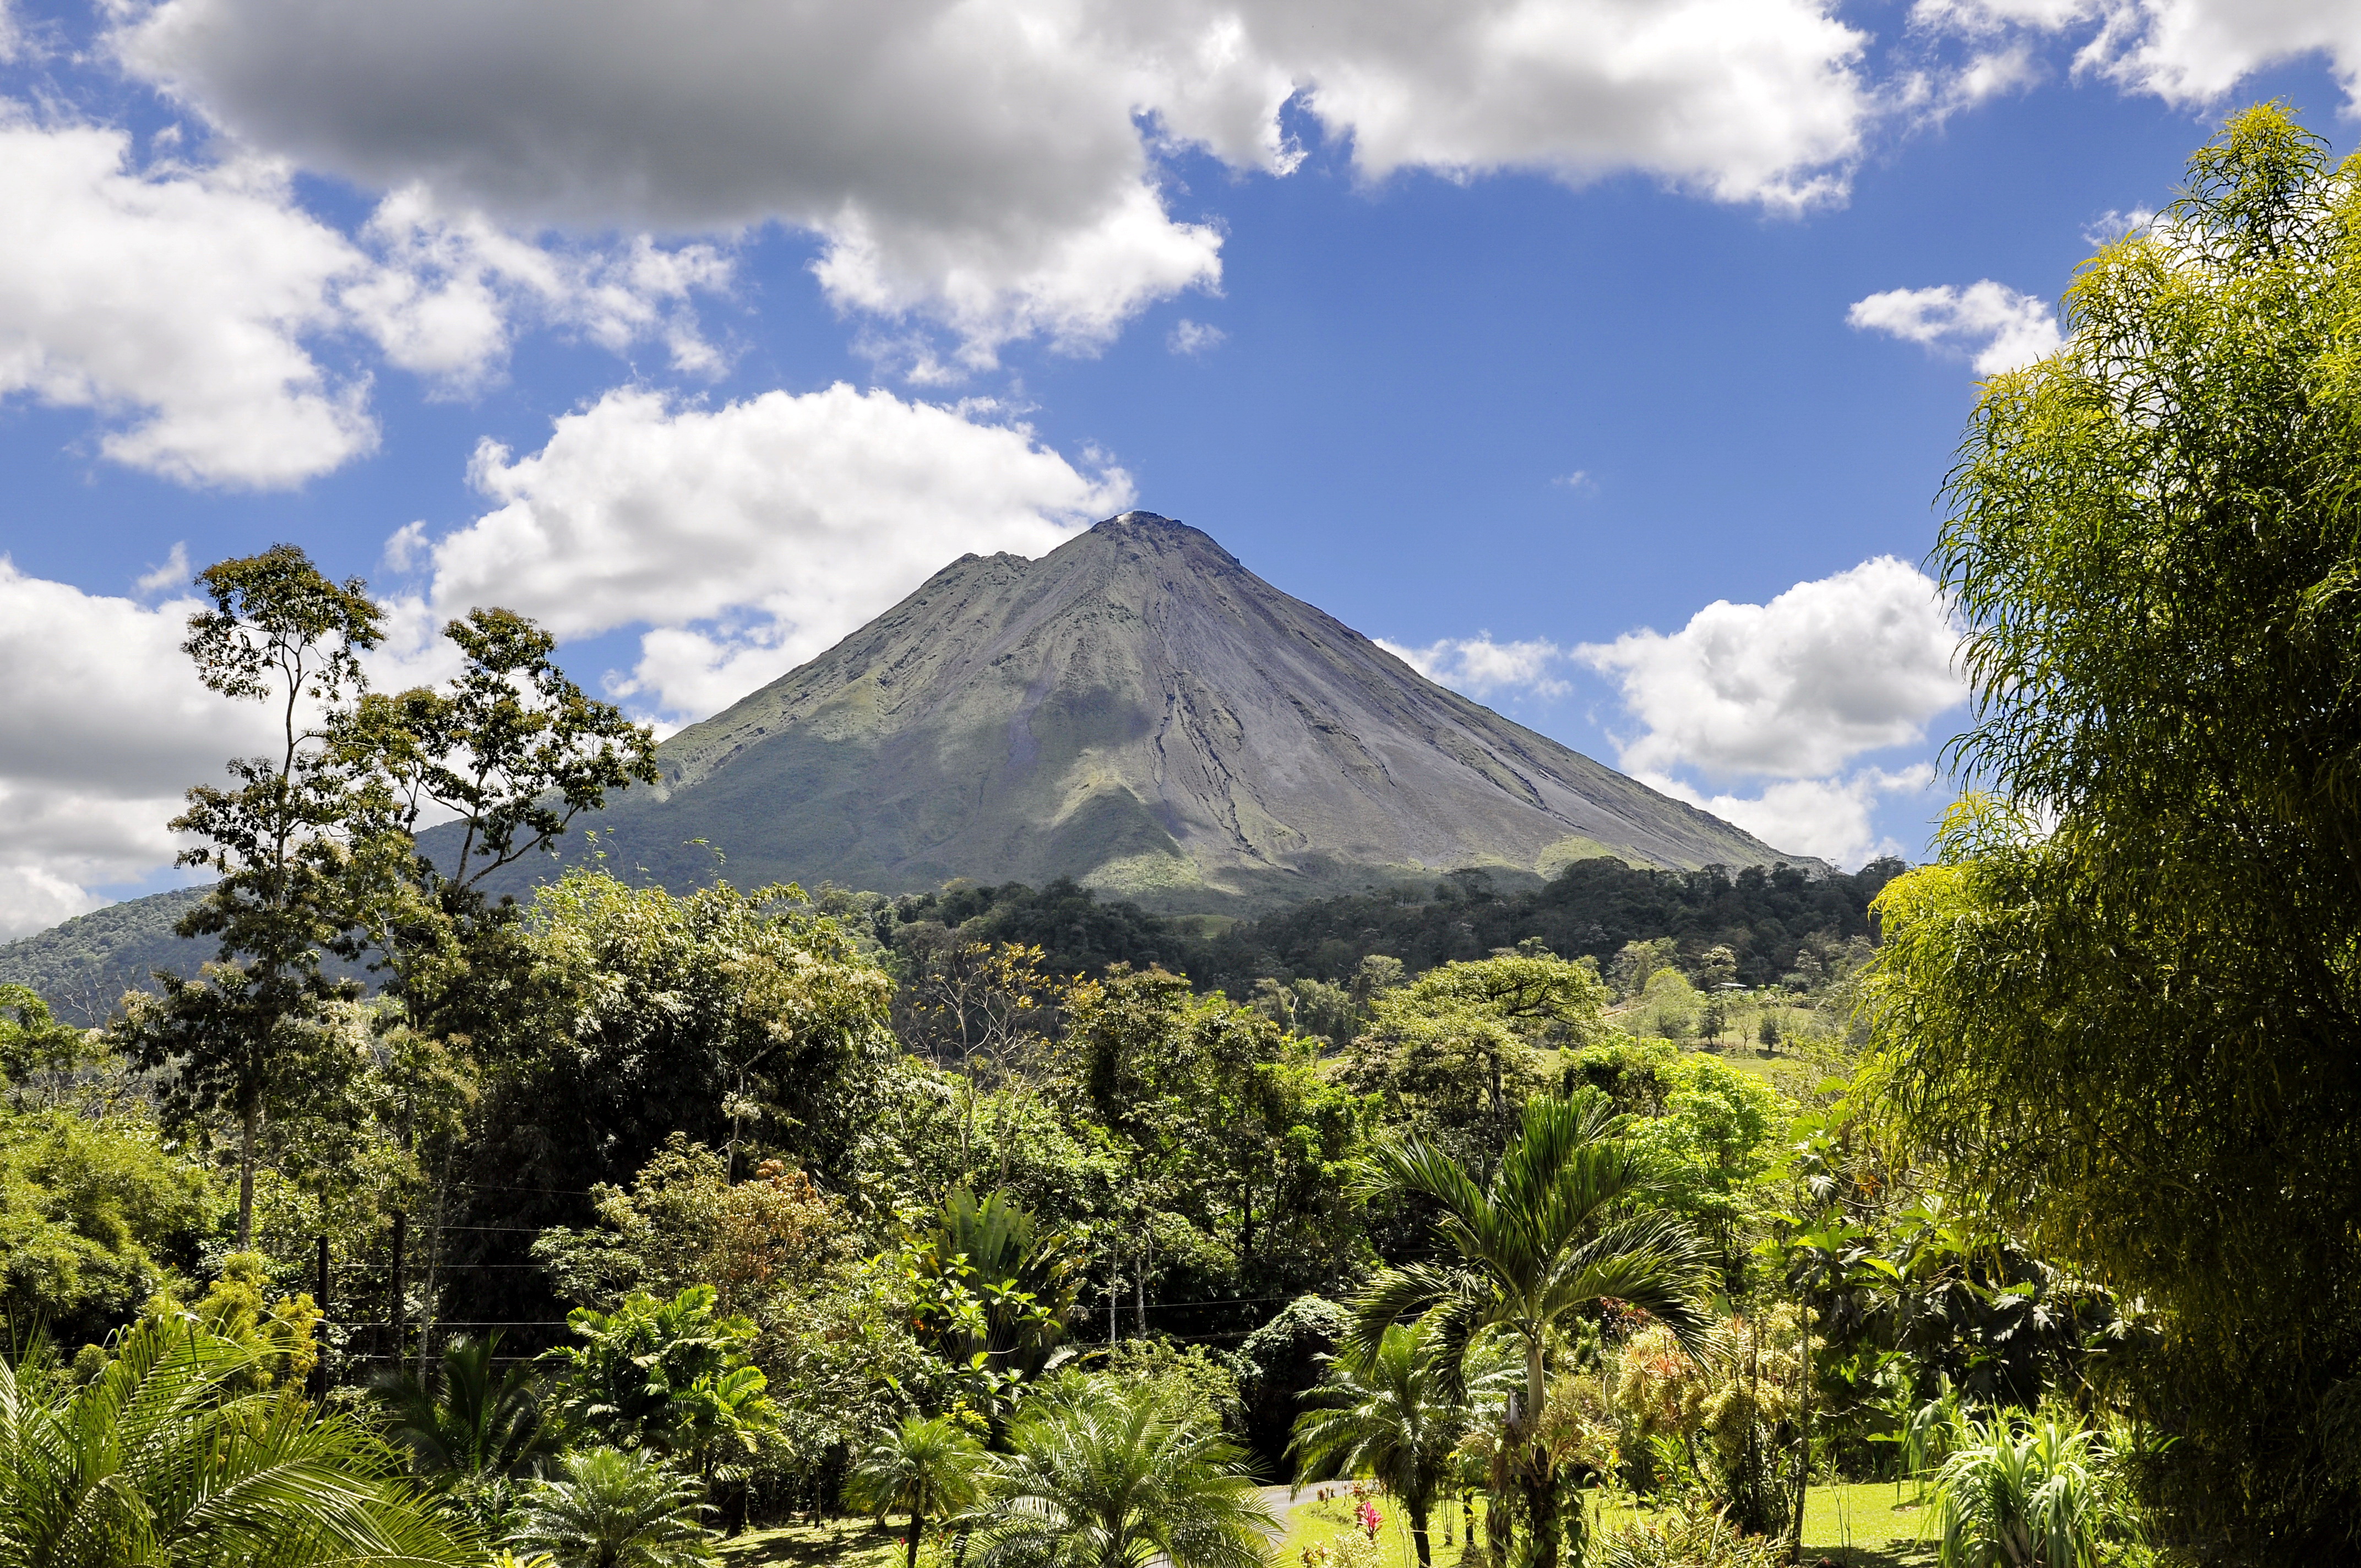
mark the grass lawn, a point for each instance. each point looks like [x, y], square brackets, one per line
[1865, 1522]
[1856, 1525]
[841, 1543]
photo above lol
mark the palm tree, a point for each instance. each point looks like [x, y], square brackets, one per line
[1389, 1416]
[172, 1454]
[925, 1466]
[1563, 1225]
[1106, 1478]
[480, 1425]
[611, 1508]
[477, 1436]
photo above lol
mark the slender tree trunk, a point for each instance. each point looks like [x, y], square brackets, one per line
[1544, 1539]
[1418, 1532]
[321, 1371]
[1540, 1476]
[248, 1132]
[433, 1266]
[1804, 1460]
[917, 1520]
[1499, 1524]
[396, 1308]
[1245, 1227]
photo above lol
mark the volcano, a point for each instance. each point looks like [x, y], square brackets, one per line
[1139, 712]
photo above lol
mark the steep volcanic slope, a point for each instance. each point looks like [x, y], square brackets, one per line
[1139, 711]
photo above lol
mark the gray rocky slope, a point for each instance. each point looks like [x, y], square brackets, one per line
[1138, 710]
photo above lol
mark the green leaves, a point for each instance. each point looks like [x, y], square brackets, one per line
[613, 1508]
[510, 747]
[1101, 1478]
[667, 1376]
[928, 1468]
[166, 1457]
[480, 1424]
[2120, 1013]
[1391, 1414]
[1564, 1222]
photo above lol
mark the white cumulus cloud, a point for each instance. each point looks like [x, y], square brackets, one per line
[2000, 328]
[452, 288]
[2192, 53]
[744, 539]
[186, 305]
[176, 302]
[993, 166]
[1789, 695]
[1825, 672]
[1477, 666]
[1832, 819]
[107, 725]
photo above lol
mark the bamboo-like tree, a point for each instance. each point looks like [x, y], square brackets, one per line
[1102, 1478]
[1391, 1416]
[2121, 1010]
[927, 1467]
[1565, 1222]
[173, 1454]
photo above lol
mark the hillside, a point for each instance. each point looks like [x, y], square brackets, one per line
[80, 966]
[1138, 711]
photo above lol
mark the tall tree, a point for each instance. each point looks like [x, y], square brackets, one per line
[1456, 1053]
[509, 751]
[244, 1042]
[1565, 1223]
[2125, 1006]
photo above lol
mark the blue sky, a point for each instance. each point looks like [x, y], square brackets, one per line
[1599, 354]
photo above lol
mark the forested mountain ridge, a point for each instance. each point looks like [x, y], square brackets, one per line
[1592, 908]
[80, 966]
[1138, 711]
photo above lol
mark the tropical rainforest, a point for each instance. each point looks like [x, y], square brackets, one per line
[1634, 1219]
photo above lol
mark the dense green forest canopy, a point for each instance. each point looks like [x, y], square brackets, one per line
[1772, 920]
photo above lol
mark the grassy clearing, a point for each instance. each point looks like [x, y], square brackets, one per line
[1856, 1525]
[837, 1543]
[1312, 1522]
